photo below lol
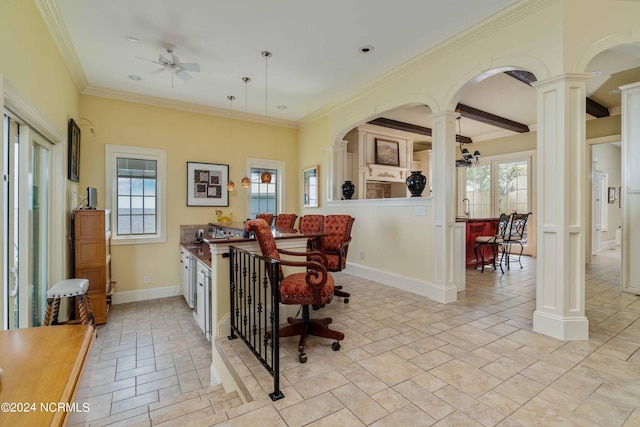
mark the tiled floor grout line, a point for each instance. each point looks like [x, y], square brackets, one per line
[430, 339]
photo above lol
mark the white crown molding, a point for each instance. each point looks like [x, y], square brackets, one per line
[52, 18]
[27, 112]
[512, 14]
[183, 106]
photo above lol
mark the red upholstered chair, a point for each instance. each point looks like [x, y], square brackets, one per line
[286, 220]
[313, 287]
[311, 224]
[267, 217]
[335, 245]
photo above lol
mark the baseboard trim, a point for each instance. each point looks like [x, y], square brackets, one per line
[562, 328]
[145, 294]
[420, 287]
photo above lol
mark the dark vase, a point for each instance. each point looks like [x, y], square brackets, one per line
[416, 183]
[347, 189]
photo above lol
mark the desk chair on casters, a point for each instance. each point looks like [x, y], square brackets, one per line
[268, 217]
[335, 245]
[310, 224]
[313, 287]
[285, 220]
[495, 243]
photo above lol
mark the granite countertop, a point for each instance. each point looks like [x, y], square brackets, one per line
[200, 250]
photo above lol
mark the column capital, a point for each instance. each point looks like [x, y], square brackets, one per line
[561, 78]
[444, 115]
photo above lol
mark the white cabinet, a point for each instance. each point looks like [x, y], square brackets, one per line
[187, 276]
[202, 311]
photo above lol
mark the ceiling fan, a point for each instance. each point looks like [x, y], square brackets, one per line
[172, 63]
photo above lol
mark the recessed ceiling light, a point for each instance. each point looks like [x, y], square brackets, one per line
[596, 73]
[134, 77]
[132, 39]
[367, 49]
[282, 107]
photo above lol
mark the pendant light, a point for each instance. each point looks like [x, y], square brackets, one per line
[246, 182]
[231, 186]
[265, 178]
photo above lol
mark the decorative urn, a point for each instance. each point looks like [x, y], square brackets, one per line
[416, 183]
[348, 189]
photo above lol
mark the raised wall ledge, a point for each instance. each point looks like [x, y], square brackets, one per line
[398, 201]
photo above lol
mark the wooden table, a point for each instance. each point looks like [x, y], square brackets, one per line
[42, 369]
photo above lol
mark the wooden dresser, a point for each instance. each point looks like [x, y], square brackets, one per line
[92, 246]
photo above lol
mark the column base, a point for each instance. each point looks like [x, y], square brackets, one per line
[562, 328]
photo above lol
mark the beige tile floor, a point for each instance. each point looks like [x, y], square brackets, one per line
[405, 361]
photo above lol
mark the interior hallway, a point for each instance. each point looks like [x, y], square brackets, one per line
[405, 360]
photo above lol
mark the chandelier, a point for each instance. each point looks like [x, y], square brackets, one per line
[467, 159]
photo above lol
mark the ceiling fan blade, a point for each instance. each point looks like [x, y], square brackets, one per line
[190, 66]
[150, 60]
[182, 75]
[158, 71]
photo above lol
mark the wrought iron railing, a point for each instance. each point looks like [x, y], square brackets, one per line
[255, 302]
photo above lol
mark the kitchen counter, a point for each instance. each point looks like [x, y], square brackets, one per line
[200, 250]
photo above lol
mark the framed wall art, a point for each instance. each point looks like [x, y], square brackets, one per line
[73, 170]
[207, 184]
[387, 152]
[310, 187]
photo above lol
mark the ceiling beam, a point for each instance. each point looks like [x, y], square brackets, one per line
[594, 108]
[491, 119]
[408, 127]
[523, 76]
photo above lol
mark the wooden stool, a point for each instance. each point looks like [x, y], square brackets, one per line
[75, 288]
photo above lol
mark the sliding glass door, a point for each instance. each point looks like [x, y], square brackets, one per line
[25, 194]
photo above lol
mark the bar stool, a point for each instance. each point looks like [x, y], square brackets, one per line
[75, 288]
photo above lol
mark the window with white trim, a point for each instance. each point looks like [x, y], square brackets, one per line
[266, 198]
[136, 180]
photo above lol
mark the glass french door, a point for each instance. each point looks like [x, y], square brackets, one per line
[498, 185]
[26, 188]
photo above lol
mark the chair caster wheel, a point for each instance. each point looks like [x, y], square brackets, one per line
[335, 346]
[302, 358]
[346, 300]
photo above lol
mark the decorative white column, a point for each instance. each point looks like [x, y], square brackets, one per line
[630, 194]
[562, 186]
[444, 216]
[337, 161]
